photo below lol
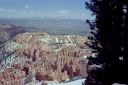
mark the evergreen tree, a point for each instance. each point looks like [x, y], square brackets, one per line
[110, 41]
[125, 41]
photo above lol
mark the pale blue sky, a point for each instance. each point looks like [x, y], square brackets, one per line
[44, 8]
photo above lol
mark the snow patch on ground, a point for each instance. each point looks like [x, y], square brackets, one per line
[11, 46]
[76, 82]
[39, 83]
[118, 84]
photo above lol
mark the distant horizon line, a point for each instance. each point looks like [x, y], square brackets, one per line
[40, 18]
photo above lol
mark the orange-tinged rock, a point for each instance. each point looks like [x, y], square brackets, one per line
[51, 57]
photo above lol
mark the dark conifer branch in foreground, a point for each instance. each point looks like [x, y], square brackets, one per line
[109, 40]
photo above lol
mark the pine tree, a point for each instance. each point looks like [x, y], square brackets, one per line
[107, 41]
[125, 42]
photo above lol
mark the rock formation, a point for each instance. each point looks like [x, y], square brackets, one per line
[51, 57]
[9, 31]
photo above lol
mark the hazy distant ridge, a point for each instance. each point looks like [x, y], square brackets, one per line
[52, 26]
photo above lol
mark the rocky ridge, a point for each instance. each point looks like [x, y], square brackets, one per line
[8, 31]
[39, 57]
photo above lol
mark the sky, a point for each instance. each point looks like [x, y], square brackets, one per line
[74, 9]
